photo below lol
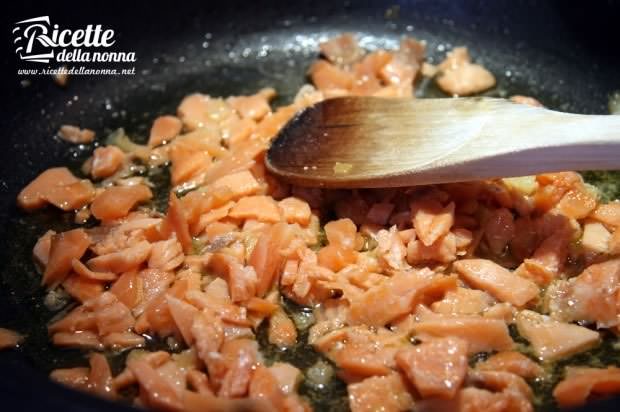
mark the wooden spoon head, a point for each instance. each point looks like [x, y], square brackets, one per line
[374, 142]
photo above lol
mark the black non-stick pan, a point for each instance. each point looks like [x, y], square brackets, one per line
[565, 53]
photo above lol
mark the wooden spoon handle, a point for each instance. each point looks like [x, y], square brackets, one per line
[520, 140]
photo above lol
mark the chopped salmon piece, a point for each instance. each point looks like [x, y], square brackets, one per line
[9, 339]
[507, 383]
[183, 314]
[240, 357]
[327, 76]
[72, 196]
[266, 258]
[34, 195]
[253, 107]
[513, 362]
[498, 281]
[287, 375]
[499, 230]
[530, 101]
[582, 382]
[82, 289]
[106, 161]
[399, 295]
[482, 334]
[463, 301]
[116, 201]
[164, 129]
[282, 331]
[158, 393]
[261, 208]
[592, 296]
[64, 248]
[342, 50]
[238, 184]
[208, 335]
[41, 250]
[128, 289]
[123, 340]
[576, 204]
[201, 402]
[100, 376]
[265, 386]
[242, 280]
[295, 210]
[82, 270]
[442, 250]
[78, 339]
[76, 378]
[74, 134]
[431, 220]
[552, 340]
[460, 77]
[166, 255]
[595, 237]
[436, 367]
[176, 221]
[608, 213]
[380, 393]
[121, 261]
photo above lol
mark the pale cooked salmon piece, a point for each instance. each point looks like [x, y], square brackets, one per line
[552, 340]
[342, 50]
[282, 331]
[463, 301]
[116, 201]
[100, 377]
[74, 134]
[261, 208]
[513, 362]
[238, 184]
[398, 294]
[380, 393]
[9, 339]
[288, 377]
[608, 213]
[582, 382]
[431, 220]
[123, 260]
[106, 161]
[265, 386]
[591, 296]
[499, 230]
[327, 76]
[41, 250]
[498, 281]
[436, 367]
[201, 402]
[76, 378]
[82, 289]
[460, 77]
[240, 357]
[183, 314]
[295, 210]
[64, 248]
[164, 129]
[70, 197]
[157, 392]
[33, 196]
[482, 334]
[166, 255]
[253, 107]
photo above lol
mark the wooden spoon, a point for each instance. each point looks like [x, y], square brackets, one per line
[378, 142]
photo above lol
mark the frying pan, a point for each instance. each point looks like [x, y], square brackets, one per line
[565, 53]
